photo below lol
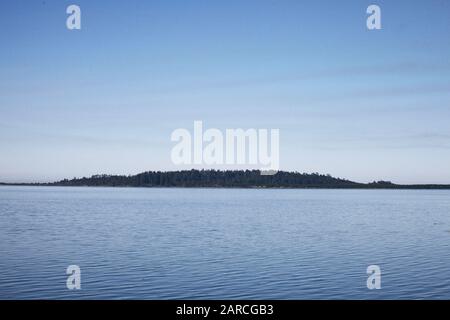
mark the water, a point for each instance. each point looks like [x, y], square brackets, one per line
[223, 244]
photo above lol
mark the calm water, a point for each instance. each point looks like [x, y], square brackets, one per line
[225, 244]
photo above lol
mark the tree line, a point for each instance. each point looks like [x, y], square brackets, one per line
[212, 178]
[228, 179]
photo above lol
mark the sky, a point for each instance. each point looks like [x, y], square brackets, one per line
[355, 103]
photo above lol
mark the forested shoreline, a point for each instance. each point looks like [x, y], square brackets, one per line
[228, 179]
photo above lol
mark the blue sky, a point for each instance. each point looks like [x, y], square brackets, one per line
[359, 104]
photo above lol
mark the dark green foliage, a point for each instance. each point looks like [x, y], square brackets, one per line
[214, 178]
[229, 179]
